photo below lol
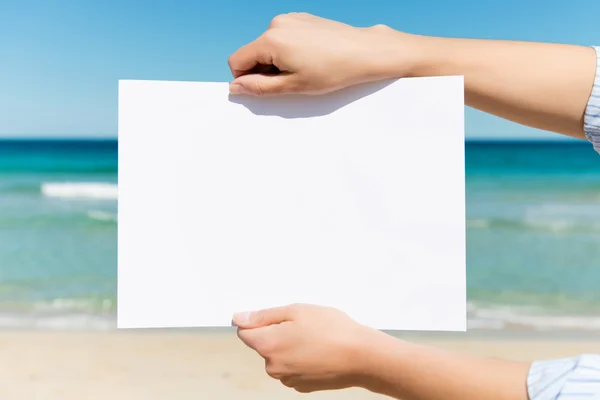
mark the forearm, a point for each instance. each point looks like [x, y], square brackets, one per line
[546, 86]
[411, 372]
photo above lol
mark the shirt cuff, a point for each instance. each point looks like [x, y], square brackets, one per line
[591, 122]
[566, 378]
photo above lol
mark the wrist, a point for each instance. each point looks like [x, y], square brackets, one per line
[373, 356]
[410, 56]
[387, 54]
[432, 57]
[395, 54]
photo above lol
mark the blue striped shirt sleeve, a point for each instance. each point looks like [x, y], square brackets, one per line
[565, 379]
[591, 122]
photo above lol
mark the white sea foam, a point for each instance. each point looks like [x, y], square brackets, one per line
[478, 223]
[526, 318]
[81, 190]
[66, 305]
[61, 314]
[493, 320]
[102, 215]
[67, 314]
[556, 226]
[74, 321]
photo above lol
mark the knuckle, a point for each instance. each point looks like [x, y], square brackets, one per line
[297, 309]
[380, 28]
[287, 381]
[258, 89]
[279, 20]
[259, 316]
[231, 61]
[300, 14]
[303, 389]
[273, 371]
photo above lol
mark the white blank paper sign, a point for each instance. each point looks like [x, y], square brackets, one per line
[353, 200]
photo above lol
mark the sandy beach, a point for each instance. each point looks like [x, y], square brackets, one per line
[190, 365]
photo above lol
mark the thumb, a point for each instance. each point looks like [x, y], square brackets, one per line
[261, 84]
[258, 319]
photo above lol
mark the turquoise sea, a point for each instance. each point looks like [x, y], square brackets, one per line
[533, 235]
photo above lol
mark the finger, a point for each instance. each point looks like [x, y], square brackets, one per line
[307, 385]
[263, 84]
[266, 317]
[247, 57]
[250, 336]
[261, 340]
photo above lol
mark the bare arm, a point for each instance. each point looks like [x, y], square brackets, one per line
[542, 85]
[412, 372]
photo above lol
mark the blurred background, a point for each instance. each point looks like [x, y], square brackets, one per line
[533, 199]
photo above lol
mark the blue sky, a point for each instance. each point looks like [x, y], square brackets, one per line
[60, 60]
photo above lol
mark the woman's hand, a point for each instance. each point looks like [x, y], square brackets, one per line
[302, 53]
[309, 348]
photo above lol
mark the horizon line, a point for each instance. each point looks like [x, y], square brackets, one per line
[114, 138]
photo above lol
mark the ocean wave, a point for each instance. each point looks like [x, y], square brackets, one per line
[100, 314]
[41, 321]
[94, 313]
[101, 304]
[81, 190]
[102, 216]
[93, 304]
[558, 225]
[527, 318]
[553, 217]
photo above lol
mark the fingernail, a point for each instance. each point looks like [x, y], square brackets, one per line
[237, 89]
[242, 318]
